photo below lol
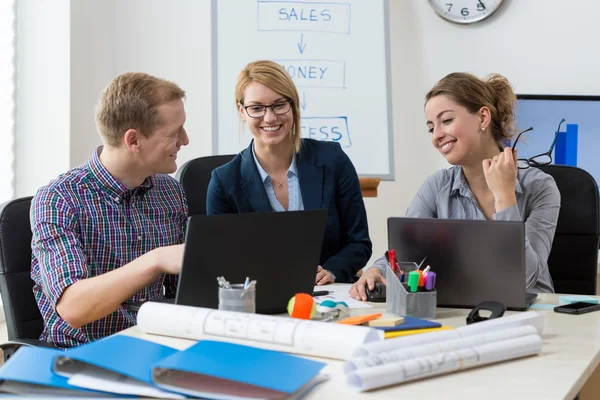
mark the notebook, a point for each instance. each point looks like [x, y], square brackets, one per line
[29, 373]
[393, 334]
[410, 323]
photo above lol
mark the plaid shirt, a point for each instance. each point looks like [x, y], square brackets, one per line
[86, 223]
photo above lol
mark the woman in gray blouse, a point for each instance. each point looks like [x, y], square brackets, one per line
[470, 120]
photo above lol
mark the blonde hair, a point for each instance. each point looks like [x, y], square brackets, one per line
[131, 101]
[493, 92]
[273, 76]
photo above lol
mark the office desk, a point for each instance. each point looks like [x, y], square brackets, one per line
[570, 355]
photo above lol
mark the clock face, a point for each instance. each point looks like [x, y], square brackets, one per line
[465, 11]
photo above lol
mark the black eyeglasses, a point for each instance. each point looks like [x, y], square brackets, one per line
[540, 159]
[259, 111]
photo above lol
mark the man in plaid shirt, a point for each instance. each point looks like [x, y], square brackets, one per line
[111, 230]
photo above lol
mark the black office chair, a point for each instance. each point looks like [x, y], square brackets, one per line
[573, 260]
[194, 176]
[23, 319]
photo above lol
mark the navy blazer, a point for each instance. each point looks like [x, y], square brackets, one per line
[327, 180]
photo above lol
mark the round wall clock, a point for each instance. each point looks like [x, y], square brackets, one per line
[465, 11]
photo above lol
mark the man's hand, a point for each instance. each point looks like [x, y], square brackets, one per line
[169, 259]
[323, 277]
[368, 278]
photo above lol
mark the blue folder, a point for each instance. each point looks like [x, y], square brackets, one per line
[220, 369]
[29, 372]
[410, 323]
[124, 355]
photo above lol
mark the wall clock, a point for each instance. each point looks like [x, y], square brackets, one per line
[465, 11]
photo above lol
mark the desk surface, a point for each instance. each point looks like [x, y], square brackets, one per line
[570, 355]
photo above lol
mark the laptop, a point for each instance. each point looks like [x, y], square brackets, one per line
[474, 260]
[280, 250]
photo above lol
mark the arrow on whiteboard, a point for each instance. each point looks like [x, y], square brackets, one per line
[303, 102]
[302, 44]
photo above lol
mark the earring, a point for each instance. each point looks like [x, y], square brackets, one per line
[482, 129]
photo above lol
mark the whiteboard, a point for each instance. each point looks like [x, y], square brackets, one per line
[337, 53]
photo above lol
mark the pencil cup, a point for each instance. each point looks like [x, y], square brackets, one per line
[236, 298]
[402, 302]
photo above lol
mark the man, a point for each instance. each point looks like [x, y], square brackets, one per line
[111, 230]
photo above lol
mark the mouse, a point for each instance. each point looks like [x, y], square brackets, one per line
[377, 294]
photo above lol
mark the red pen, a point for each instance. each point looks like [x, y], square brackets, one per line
[393, 265]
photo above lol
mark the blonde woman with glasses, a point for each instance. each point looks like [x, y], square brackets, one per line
[280, 171]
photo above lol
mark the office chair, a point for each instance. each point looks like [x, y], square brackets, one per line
[23, 319]
[194, 176]
[573, 260]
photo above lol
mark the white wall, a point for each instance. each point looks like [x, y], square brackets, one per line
[43, 97]
[171, 39]
[542, 46]
[93, 37]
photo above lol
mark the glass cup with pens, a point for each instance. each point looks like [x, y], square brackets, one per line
[240, 297]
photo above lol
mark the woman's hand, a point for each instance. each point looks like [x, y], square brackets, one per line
[501, 176]
[368, 278]
[323, 277]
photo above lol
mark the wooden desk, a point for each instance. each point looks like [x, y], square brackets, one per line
[570, 355]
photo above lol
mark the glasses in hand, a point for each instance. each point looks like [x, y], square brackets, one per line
[259, 111]
[540, 159]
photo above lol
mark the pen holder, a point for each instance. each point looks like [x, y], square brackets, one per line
[236, 298]
[401, 302]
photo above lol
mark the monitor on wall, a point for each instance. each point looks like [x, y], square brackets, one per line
[578, 142]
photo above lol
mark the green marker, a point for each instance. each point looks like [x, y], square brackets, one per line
[413, 281]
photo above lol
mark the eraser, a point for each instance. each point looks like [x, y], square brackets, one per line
[386, 322]
[576, 299]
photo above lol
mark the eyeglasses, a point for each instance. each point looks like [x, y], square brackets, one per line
[540, 159]
[259, 111]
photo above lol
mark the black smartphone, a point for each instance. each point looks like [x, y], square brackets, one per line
[577, 308]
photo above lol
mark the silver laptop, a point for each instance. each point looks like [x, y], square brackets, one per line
[474, 260]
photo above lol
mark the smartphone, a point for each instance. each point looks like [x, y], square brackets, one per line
[577, 308]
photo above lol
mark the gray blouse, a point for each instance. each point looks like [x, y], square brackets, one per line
[446, 194]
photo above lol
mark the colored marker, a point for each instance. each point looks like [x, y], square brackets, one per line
[430, 281]
[393, 264]
[421, 279]
[413, 281]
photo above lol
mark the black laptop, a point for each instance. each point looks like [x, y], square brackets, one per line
[280, 250]
[474, 260]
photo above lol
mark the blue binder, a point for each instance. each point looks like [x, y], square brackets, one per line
[224, 370]
[29, 372]
[123, 355]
